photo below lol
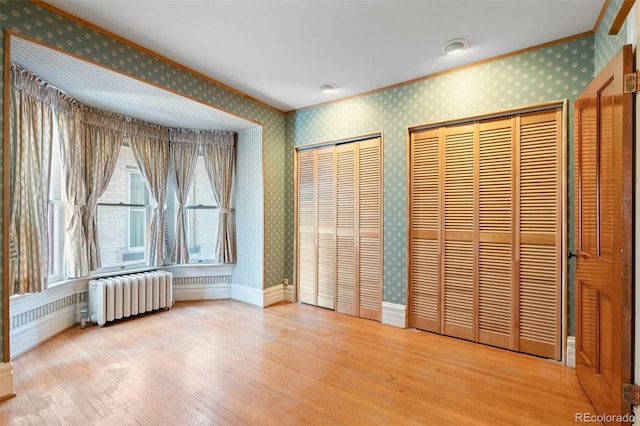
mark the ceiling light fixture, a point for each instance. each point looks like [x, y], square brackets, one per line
[454, 46]
[327, 87]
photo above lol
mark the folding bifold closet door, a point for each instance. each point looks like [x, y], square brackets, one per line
[339, 223]
[485, 243]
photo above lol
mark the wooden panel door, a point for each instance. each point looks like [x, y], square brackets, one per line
[459, 299]
[346, 260]
[307, 285]
[603, 196]
[424, 233]
[496, 278]
[326, 227]
[369, 230]
[540, 244]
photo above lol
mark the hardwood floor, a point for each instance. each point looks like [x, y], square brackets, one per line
[225, 362]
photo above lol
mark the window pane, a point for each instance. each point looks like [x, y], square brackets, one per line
[201, 192]
[201, 234]
[137, 228]
[125, 175]
[122, 229]
[113, 233]
[53, 237]
[137, 189]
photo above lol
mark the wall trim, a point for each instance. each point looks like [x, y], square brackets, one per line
[246, 294]
[35, 318]
[202, 292]
[394, 314]
[36, 332]
[571, 351]
[289, 294]
[199, 270]
[6, 381]
[273, 295]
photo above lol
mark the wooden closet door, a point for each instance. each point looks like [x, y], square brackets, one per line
[496, 274]
[307, 286]
[369, 228]
[540, 244]
[459, 295]
[326, 226]
[424, 234]
[346, 260]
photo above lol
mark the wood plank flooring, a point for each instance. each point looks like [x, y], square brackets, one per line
[227, 363]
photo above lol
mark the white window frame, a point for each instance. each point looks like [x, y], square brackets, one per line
[136, 207]
[190, 206]
[57, 222]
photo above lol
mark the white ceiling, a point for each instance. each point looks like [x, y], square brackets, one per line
[280, 52]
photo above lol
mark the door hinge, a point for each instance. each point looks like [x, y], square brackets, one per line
[631, 393]
[631, 82]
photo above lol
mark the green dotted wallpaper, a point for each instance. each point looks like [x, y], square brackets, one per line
[606, 45]
[547, 74]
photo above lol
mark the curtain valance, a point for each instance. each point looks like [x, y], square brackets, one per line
[217, 137]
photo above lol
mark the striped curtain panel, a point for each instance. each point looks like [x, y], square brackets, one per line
[31, 133]
[183, 150]
[219, 159]
[74, 150]
[150, 146]
[105, 133]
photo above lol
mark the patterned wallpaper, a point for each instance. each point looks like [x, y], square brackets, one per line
[249, 199]
[605, 45]
[548, 74]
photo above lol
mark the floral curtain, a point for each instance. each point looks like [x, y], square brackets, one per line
[219, 158]
[31, 122]
[150, 146]
[183, 150]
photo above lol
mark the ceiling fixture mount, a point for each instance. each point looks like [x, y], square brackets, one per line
[454, 46]
[327, 87]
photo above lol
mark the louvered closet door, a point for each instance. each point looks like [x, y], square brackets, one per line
[495, 197]
[307, 285]
[486, 227]
[459, 298]
[369, 222]
[346, 272]
[540, 236]
[424, 245]
[326, 226]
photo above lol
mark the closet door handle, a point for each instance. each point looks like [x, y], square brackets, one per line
[571, 254]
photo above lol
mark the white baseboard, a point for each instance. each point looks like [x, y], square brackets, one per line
[289, 294]
[394, 314]
[571, 351]
[202, 292]
[36, 332]
[6, 381]
[273, 295]
[250, 295]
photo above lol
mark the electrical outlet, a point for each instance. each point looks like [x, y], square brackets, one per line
[285, 282]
